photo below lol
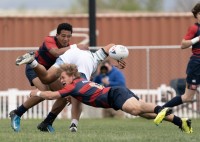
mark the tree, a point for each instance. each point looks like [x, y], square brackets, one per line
[119, 5]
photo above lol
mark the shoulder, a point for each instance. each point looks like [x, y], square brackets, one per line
[49, 39]
[193, 28]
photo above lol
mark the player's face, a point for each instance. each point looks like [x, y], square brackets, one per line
[65, 79]
[64, 37]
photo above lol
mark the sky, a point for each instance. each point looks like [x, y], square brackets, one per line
[35, 4]
[53, 4]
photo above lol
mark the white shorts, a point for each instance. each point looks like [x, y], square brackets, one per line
[85, 60]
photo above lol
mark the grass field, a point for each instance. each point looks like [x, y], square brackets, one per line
[101, 130]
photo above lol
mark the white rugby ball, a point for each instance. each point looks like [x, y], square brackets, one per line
[118, 52]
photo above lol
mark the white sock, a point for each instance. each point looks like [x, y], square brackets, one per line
[33, 64]
[75, 121]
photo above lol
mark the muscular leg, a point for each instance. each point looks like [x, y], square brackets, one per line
[32, 101]
[178, 100]
[188, 95]
[46, 76]
[138, 107]
[135, 107]
[76, 110]
[58, 105]
[143, 109]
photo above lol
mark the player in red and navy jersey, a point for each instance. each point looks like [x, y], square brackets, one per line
[96, 95]
[51, 48]
[46, 54]
[193, 68]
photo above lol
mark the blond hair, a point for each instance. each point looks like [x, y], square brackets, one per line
[70, 70]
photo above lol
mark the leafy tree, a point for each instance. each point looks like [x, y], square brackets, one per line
[119, 5]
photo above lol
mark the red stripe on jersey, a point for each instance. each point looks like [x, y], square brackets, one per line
[79, 98]
[192, 30]
[195, 51]
[96, 94]
[50, 42]
[106, 90]
[84, 89]
[42, 62]
[93, 97]
[67, 89]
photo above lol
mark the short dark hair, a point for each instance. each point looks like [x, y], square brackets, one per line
[103, 69]
[196, 9]
[64, 26]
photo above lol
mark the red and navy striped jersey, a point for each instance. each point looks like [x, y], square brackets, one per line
[89, 93]
[43, 56]
[194, 31]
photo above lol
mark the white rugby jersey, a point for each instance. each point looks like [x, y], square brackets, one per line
[85, 60]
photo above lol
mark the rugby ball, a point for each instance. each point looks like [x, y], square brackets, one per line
[118, 52]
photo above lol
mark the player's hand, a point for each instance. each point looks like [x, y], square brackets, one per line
[121, 64]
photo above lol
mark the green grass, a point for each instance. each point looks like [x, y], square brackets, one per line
[101, 130]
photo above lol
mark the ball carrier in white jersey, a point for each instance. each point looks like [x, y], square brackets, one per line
[86, 61]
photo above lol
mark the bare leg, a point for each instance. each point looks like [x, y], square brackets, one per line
[58, 106]
[59, 103]
[153, 115]
[76, 109]
[188, 95]
[135, 107]
[47, 76]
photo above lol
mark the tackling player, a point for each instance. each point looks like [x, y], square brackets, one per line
[51, 48]
[86, 61]
[93, 94]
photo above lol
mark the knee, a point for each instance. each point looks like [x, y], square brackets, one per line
[76, 105]
[136, 112]
[187, 98]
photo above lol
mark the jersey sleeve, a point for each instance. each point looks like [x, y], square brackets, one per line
[192, 30]
[50, 43]
[67, 90]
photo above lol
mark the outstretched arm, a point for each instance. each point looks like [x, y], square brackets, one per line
[48, 95]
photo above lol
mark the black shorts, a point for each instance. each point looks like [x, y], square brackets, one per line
[193, 71]
[118, 95]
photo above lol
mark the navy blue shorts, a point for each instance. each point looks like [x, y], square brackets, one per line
[118, 95]
[193, 71]
[30, 74]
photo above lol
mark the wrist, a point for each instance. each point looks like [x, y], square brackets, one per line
[38, 93]
[195, 40]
